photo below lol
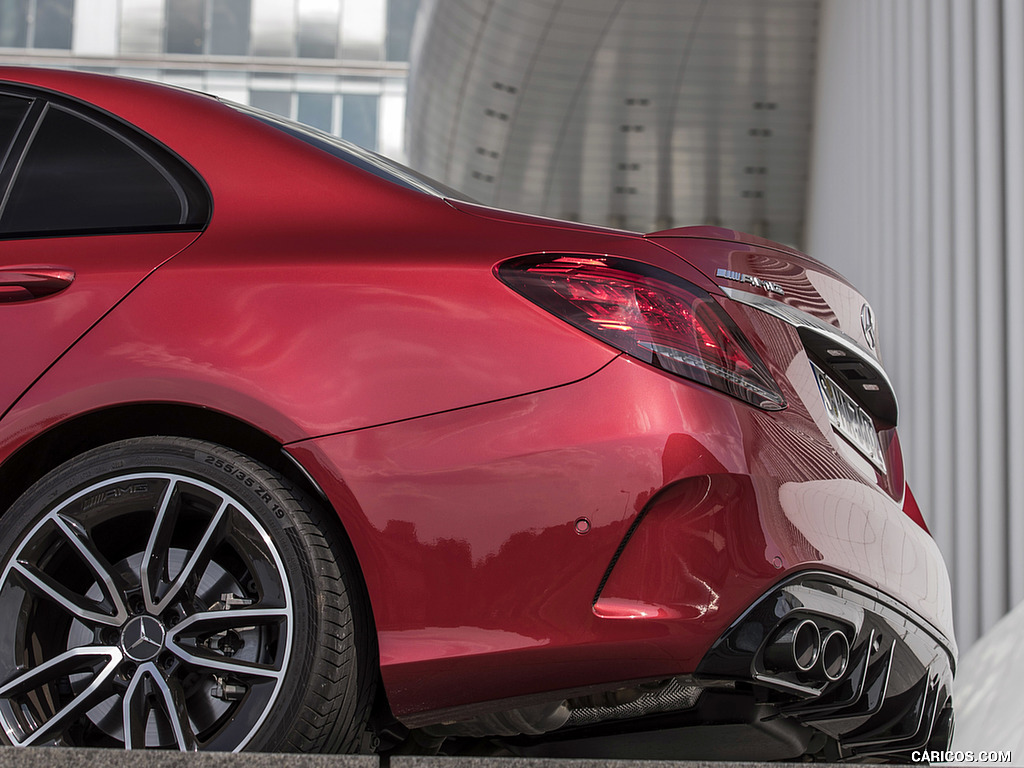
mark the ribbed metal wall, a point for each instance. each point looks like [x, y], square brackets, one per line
[643, 114]
[917, 195]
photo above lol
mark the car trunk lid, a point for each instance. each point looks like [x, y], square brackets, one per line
[738, 262]
[834, 322]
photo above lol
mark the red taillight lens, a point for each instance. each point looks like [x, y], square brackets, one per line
[649, 314]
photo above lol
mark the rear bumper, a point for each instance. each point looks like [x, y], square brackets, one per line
[753, 698]
[482, 589]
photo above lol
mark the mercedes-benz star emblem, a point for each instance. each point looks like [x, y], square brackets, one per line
[142, 638]
[867, 324]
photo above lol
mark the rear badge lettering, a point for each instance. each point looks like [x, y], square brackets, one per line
[757, 282]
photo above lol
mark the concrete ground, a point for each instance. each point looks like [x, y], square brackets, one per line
[103, 758]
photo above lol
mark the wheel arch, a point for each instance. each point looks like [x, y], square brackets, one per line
[73, 436]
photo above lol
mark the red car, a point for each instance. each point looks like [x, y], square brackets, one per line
[299, 451]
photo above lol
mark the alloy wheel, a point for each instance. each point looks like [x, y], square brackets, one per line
[149, 609]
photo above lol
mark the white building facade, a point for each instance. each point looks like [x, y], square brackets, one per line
[339, 65]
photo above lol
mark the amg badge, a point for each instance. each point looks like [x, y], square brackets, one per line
[757, 282]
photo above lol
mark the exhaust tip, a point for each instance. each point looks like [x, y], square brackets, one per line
[795, 647]
[835, 655]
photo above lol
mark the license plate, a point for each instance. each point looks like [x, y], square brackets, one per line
[849, 419]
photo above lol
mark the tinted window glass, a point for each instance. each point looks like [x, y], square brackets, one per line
[79, 177]
[12, 111]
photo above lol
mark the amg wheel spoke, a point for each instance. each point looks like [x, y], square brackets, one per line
[243, 669]
[208, 622]
[77, 605]
[211, 622]
[135, 709]
[135, 712]
[97, 562]
[154, 560]
[198, 560]
[74, 660]
[173, 697]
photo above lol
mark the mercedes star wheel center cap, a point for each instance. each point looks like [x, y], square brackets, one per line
[142, 638]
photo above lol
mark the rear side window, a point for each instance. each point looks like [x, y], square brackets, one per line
[79, 176]
[12, 112]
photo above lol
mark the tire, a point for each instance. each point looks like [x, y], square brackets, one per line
[172, 593]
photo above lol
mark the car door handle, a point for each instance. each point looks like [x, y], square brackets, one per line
[28, 283]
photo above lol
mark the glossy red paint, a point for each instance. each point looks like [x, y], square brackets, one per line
[458, 430]
[105, 269]
[455, 507]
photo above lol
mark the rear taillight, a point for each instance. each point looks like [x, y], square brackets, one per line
[649, 314]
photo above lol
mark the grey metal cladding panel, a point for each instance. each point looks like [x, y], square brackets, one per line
[273, 28]
[522, 17]
[318, 28]
[602, 108]
[775, 14]
[548, 99]
[785, 106]
[142, 26]
[435, 82]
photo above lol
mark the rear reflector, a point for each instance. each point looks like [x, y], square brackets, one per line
[649, 314]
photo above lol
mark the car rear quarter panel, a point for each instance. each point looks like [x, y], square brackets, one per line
[466, 530]
[312, 327]
[319, 299]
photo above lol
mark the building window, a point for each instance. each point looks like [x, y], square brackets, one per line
[318, 29]
[273, 28]
[36, 23]
[401, 17]
[13, 23]
[317, 110]
[359, 119]
[362, 29]
[229, 27]
[278, 102]
[186, 22]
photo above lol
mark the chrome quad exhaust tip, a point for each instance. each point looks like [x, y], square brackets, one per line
[835, 655]
[817, 655]
[795, 648]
